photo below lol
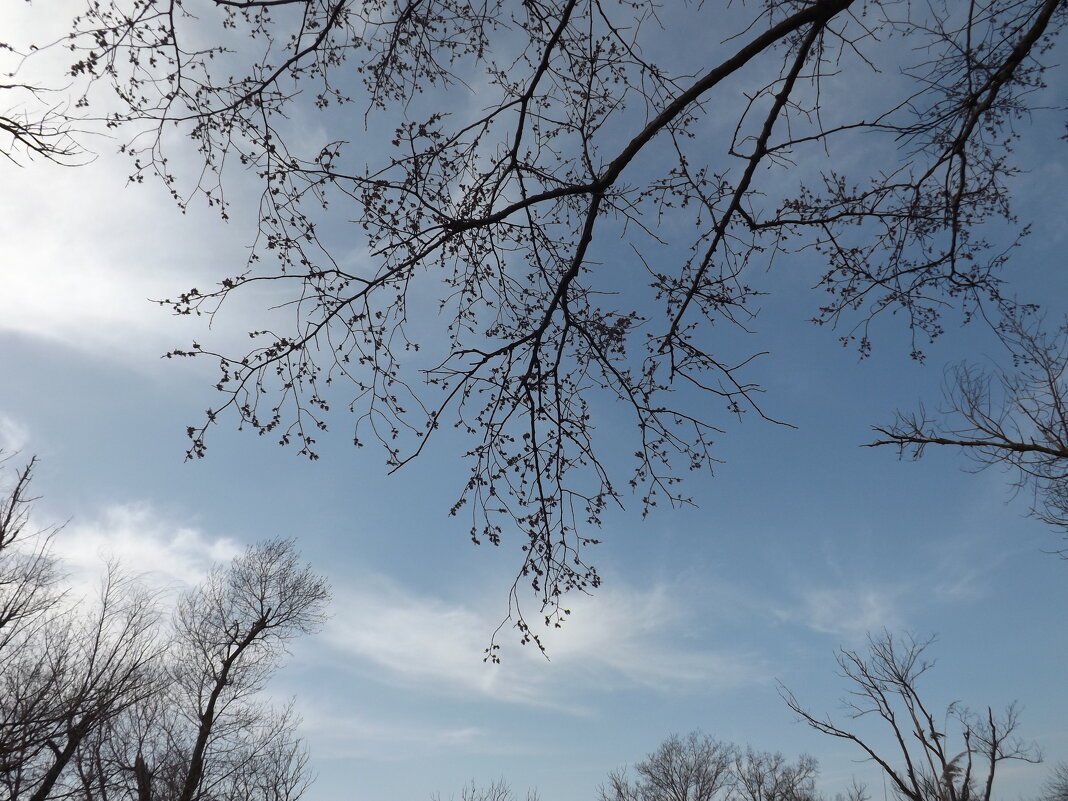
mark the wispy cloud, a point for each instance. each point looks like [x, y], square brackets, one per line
[85, 275]
[13, 435]
[851, 599]
[354, 736]
[850, 612]
[167, 553]
[624, 637]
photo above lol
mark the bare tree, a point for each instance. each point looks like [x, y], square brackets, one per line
[29, 577]
[64, 673]
[697, 768]
[48, 136]
[102, 701]
[497, 790]
[34, 121]
[29, 601]
[701, 768]
[1011, 417]
[941, 755]
[765, 776]
[231, 632]
[526, 142]
[1056, 786]
[97, 667]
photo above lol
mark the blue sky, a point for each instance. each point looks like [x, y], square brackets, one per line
[802, 541]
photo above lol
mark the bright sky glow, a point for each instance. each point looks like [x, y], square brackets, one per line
[802, 541]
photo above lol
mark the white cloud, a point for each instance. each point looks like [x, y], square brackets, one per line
[164, 552]
[86, 251]
[85, 254]
[83, 250]
[421, 640]
[624, 636]
[348, 736]
[621, 638]
[853, 599]
[13, 435]
[849, 612]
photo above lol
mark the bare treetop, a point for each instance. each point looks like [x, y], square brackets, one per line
[578, 189]
[937, 754]
[100, 699]
[1015, 417]
[701, 768]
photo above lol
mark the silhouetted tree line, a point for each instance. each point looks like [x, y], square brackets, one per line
[949, 753]
[115, 699]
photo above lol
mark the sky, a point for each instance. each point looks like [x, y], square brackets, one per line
[801, 542]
